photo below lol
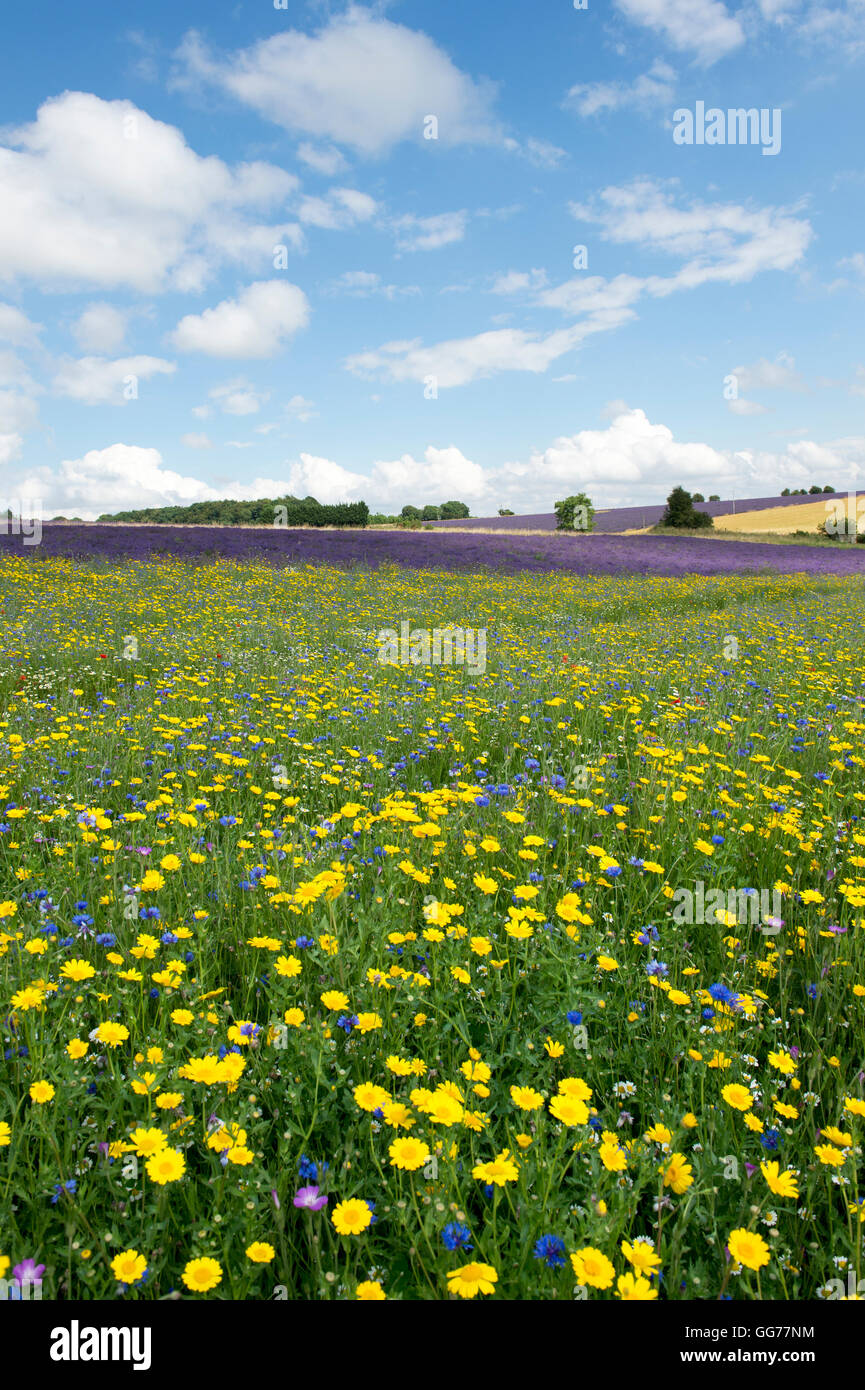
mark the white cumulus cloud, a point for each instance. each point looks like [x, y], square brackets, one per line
[99, 380]
[361, 81]
[704, 28]
[99, 193]
[255, 324]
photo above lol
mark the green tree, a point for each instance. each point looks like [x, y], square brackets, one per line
[451, 511]
[575, 513]
[681, 513]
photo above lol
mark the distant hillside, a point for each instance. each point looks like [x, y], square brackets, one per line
[631, 518]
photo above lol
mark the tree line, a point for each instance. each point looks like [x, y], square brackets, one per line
[263, 511]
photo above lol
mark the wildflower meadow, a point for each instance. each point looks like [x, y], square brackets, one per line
[324, 976]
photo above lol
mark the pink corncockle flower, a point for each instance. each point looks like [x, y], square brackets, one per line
[308, 1199]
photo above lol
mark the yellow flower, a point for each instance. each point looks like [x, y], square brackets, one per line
[614, 1158]
[128, 1266]
[370, 1291]
[397, 1115]
[77, 970]
[525, 1098]
[147, 1141]
[677, 1174]
[499, 1170]
[288, 966]
[367, 1022]
[554, 1049]
[782, 1061]
[472, 1279]
[166, 1166]
[575, 1086]
[293, 1017]
[659, 1134]
[260, 1252]
[748, 1248]
[569, 1110]
[112, 1033]
[409, 1154]
[370, 1097]
[837, 1136]
[41, 1092]
[830, 1156]
[77, 1048]
[334, 1000]
[592, 1267]
[739, 1097]
[633, 1289]
[169, 1100]
[641, 1255]
[202, 1275]
[607, 963]
[444, 1108]
[351, 1217]
[782, 1184]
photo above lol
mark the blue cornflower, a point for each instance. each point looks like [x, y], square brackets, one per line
[550, 1249]
[457, 1236]
[574, 1018]
[722, 995]
[60, 1187]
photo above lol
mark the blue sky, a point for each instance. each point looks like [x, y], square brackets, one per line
[424, 333]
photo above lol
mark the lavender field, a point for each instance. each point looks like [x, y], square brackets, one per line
[508, 554]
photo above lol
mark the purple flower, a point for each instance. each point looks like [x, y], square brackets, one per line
[308, 1199]
[28, 1272]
